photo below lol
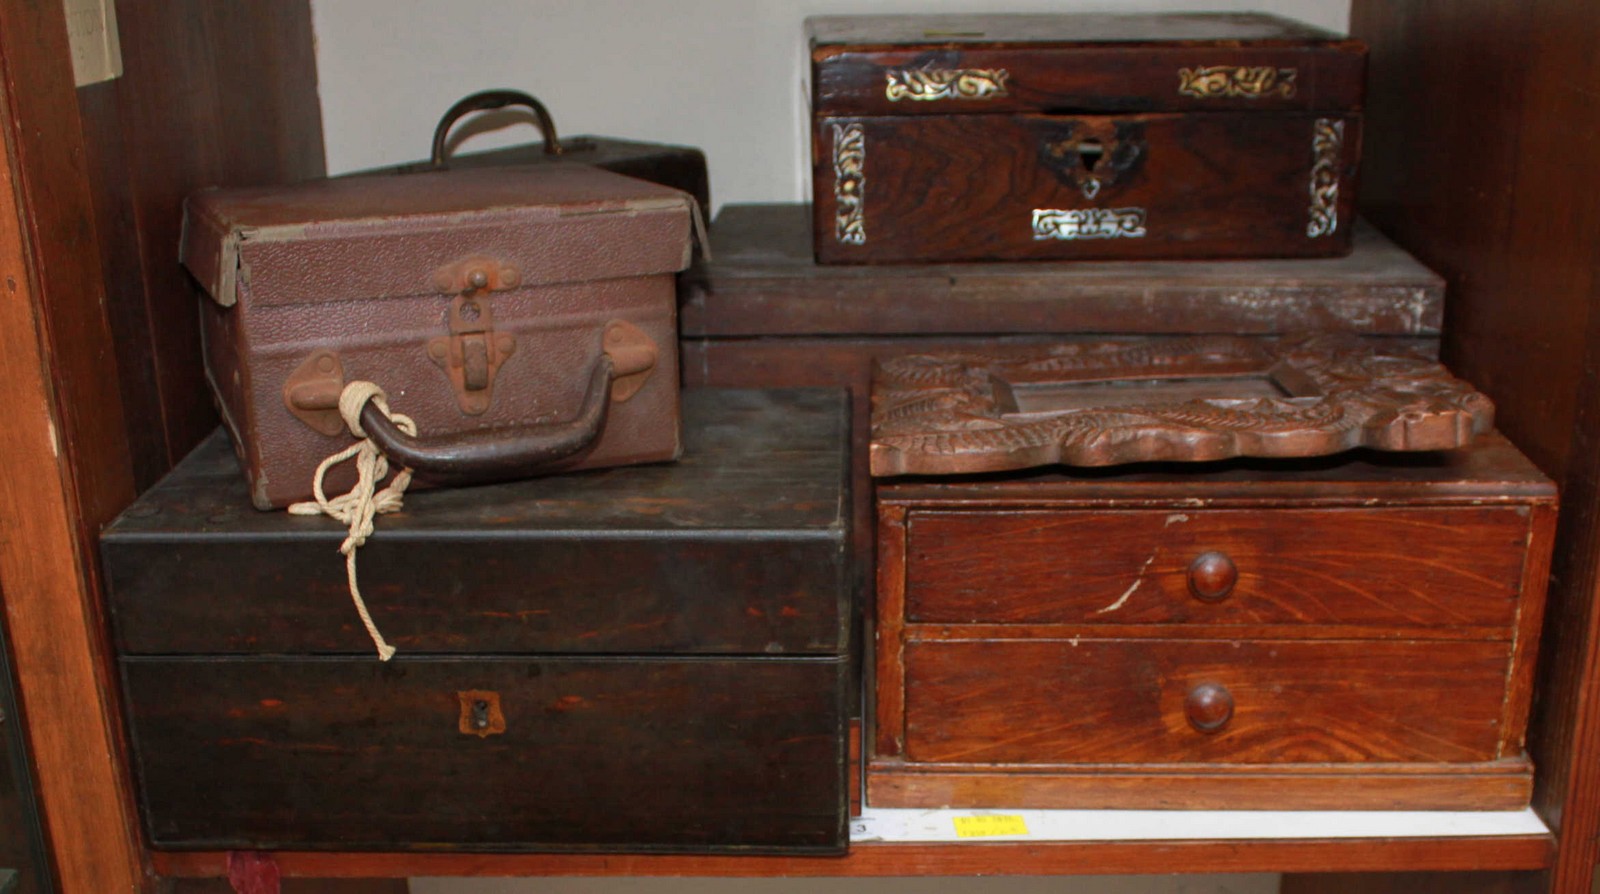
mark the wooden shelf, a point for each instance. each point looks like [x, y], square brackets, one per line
[897, 860]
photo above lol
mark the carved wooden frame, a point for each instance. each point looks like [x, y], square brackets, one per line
[959, 412]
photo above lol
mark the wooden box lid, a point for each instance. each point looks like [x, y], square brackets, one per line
[740, 547]
[1085, 63]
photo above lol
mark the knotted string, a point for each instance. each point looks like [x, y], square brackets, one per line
[361, 505]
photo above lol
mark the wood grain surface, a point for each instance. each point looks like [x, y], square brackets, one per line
[763, 281]
[1358, 567]
[603, 753]
[671, 715]
[739, 547]
[965, 187]
[1122, 701]
[210, 95]
[1040, 621]
[1480, 147]
[902, 860]
[68, 469]
[1139, 76]
[1500, 785]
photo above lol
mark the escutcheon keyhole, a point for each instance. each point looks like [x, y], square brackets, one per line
[1090, 152]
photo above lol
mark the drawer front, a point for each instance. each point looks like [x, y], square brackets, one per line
[1447, 567]
[580, 754]
[1167, 701]
[1057, 187]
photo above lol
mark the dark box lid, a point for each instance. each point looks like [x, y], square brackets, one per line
[1079, 63]
[741, 547]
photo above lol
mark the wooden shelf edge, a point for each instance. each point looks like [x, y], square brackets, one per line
[1521, 852]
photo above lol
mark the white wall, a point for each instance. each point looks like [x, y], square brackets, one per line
[724, 75]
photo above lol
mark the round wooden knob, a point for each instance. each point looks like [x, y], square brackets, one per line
[1209, 707]
[1212, 576]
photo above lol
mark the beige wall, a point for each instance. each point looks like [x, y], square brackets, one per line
[724, 75]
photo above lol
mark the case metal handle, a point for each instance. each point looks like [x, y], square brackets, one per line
[628, 358]
[475, 456]
[489, 100]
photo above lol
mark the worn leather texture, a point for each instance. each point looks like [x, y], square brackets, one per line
[351, 265]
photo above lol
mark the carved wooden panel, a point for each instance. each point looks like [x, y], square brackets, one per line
[1209, 398]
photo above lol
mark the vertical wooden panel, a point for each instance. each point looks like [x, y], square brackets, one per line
[1564, 736]
[1483, 129]
[212, 94]
[44, 551]
[91, 200]
[1482, 132]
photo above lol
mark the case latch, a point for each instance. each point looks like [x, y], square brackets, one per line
[472, 353]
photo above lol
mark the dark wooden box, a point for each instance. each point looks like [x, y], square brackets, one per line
[664, 648]
[1014, 137]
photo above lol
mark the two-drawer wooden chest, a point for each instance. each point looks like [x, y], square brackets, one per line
[647, 658]
[1349, 632]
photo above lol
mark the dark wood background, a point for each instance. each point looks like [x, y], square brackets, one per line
[1483, 129]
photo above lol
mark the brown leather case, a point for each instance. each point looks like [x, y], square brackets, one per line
[680, 167]
[524, 317]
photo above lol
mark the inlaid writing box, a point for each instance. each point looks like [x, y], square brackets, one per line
[1348, 632]
[635, 659]
[1013, 137]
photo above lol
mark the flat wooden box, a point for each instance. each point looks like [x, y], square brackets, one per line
[1038, 642]
[762, 313]
[664, 648]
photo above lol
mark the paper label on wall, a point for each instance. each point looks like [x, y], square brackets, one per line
[989, 826]
[92, 37]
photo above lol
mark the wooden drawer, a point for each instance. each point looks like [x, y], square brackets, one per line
[1132, 700]
[595, 753]
[1328, 568]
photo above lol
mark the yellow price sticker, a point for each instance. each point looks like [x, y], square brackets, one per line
[988, 826]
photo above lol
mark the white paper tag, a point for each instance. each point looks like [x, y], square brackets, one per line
[92, 37]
